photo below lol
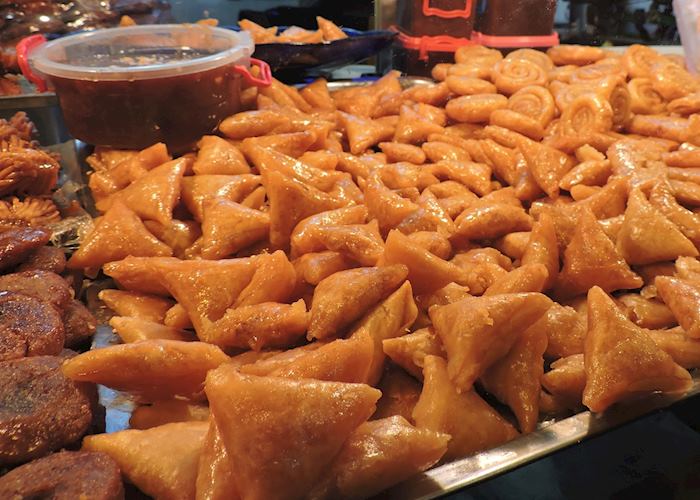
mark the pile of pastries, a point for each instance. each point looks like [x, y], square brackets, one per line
[342, 289]
[327, 31]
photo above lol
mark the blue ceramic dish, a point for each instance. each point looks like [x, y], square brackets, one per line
[357, 46]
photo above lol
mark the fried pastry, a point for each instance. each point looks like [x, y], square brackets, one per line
[345, 296]
[390, 318]
[379, 454]
[272, 417]
[479, 331]
[409, 351]
[400, 393]
[137, 330]
[167, 411]
[647, 236]
[118, 234]
[515, 378]
[137, 305]
[472, 424]
[154, 195]
[218, 156]
[154, 369]
[621, 360]
[682, 297]
[151, 459]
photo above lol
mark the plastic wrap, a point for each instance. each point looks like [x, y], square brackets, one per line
[688, 20]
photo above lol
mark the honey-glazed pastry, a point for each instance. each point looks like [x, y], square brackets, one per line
[153, 369]
[389, 448]
[264, 325]
[472, 424]
[513, 74]
[136, 330]
[515, 378]
[290, 409]
[478, 340]
[29, 211]
[154, 195]
[152, 460]
[643, 98]
[218, 156]
[345, 296]
[388, 319]
[228, 227]
[566, 381]
[647, 236]
[117, 234]
[682, 297]
[578, 55]
[621, 360]
[590, 259]
[534, 101]
[409, 351]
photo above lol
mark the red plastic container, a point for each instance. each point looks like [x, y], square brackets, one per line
[505, 24]
[419, 18]
[417, 55]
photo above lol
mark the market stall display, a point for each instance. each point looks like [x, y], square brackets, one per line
[507, 243]
[340, 290]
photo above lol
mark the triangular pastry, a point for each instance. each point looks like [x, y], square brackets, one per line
[281, 434]
[116, 235]
[621, 360]
[479, 331]
[472, 424]
[162, 461]
[345, 296]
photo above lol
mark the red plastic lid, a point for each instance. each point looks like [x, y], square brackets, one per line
[425, 44]
[506, 42]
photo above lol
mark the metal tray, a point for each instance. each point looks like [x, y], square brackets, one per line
[552, 436]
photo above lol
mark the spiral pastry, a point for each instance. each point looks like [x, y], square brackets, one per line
[687, 105]
[672, 81]
[615, 91]
[511, 75]
[534, 101]
[638, 60]
[477, 55]
[594, 72]
[587, 114]
[562, 73]
[578, 55]
[565, 94]
[539, 58]
[644, 100]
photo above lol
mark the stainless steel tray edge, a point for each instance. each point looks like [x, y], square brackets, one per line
[525, 449]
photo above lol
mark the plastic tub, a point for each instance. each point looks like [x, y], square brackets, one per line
[132, 87]
[417, 55]
[516, 18]
[436, 17]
